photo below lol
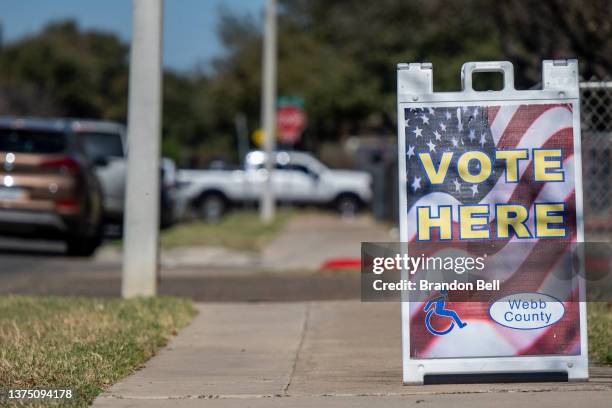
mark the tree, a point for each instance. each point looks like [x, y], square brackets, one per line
[84, 73]
[533, 30]
[64, 71]
[341, 57]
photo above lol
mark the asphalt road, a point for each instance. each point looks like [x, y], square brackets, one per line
[37, 267]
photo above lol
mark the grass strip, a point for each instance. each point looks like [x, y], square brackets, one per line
[600, 332]
[83, 344]
[241, 230]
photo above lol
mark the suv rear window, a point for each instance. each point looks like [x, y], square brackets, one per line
[31, 141]
[102, 145]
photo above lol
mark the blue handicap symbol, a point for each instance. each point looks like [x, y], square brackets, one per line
[440, 310]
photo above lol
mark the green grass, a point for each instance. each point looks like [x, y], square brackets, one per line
[82, 344]
[238, 230]
[600, 332]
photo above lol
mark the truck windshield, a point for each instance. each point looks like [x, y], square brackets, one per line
[31, 141]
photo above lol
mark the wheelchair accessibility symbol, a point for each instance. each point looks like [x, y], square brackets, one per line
[438, 309]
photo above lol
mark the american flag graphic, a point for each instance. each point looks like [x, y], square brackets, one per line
[458, 129]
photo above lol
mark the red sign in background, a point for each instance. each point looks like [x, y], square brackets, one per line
[290, 122]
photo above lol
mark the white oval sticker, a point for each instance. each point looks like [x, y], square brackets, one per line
[527, 311]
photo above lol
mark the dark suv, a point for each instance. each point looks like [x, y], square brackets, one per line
[48, 187]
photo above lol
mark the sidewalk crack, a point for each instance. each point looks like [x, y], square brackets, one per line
[299, 348]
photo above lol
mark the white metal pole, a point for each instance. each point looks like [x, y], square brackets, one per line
[141, 218]
[267, 203]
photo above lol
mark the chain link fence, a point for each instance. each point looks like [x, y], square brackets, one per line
[596, 115]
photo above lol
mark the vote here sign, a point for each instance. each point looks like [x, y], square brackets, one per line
[494, 172]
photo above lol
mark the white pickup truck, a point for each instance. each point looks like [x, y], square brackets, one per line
[298, 178]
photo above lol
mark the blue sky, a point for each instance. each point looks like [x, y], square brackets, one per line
[189, 25]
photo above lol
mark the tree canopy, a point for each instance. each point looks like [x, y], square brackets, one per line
[340, 57]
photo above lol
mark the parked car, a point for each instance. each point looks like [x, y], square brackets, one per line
[48, 186]
[104, 143]
[298, 178]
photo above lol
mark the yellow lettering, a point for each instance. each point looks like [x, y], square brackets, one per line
[543, 219]
[512, 157]
[516, 221]
[436, 176]
[483, 172]
[542, 165]
[470, 216]
[426, 223]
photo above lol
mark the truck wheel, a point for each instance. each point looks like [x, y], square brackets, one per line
[348, 205]
[212, 207]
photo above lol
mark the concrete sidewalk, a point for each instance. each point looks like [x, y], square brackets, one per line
[318, 354]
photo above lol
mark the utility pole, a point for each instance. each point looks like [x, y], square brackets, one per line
[141, 218]
[268, 100]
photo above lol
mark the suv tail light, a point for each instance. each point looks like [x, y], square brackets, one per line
[68, 205]
[68, 163]
[71, 166]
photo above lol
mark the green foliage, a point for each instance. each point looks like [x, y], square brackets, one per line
[184, 118]
[242, 230]
[64, 71]
[339, 56]
[600, 332]
[85, 74]
[531, 30]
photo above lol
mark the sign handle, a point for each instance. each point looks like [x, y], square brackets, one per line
[503, 67]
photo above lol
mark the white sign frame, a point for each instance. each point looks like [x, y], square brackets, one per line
[415, 89]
